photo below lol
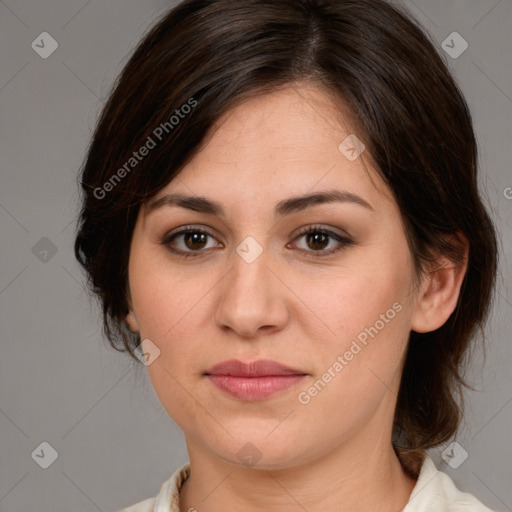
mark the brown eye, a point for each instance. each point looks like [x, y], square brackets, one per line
[317, 241]
[195, 240]
[190, 241]
[321, 242]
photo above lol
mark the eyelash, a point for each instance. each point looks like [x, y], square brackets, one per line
[344, 241]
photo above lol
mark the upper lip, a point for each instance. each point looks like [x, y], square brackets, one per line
[260, 368]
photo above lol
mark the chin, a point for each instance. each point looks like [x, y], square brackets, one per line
[257, 452]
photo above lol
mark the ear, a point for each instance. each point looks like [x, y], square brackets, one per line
[130, 319]
[440, 288]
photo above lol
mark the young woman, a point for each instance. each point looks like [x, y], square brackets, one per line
[282, 222]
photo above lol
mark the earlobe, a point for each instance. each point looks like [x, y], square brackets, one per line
[131, 321]
[440, 289]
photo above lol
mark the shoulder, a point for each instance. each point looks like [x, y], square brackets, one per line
[435, 491]
[167, 499]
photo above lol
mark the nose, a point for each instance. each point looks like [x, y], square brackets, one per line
[251, 300]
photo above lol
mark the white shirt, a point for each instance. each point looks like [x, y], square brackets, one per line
[434, 492]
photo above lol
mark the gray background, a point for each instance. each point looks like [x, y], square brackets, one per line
[59, 381]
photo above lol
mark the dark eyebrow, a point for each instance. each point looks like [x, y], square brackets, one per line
[284, 207]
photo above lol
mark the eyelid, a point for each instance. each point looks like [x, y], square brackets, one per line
[320, 227]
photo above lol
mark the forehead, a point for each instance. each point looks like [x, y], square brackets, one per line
[292, 141]
[289, 122]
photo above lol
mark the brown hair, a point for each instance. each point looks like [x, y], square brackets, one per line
[411, 115]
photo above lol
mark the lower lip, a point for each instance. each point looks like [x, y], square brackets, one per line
[254, 388]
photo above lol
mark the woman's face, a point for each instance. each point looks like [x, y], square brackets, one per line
[248, 283]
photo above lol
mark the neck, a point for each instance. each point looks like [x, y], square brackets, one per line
[345, 480]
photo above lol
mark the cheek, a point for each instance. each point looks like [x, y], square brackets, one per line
[367, 308]
[162, 295]
[365, 292]
[168, 312]
[171, 307]
[357, 372]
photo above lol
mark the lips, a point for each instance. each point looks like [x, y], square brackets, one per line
[255, 380]
[260, 368]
